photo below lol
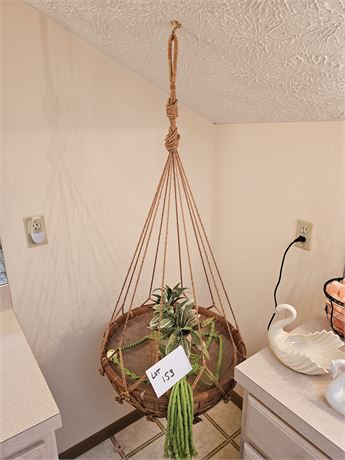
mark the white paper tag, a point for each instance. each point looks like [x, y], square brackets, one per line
[169, 370]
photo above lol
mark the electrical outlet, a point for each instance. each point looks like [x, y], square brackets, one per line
[36, 223]
[35, 231]
[304, 228]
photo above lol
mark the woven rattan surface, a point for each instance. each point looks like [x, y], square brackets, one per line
[140, 358]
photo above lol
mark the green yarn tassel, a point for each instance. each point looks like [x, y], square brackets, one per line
[179, 434]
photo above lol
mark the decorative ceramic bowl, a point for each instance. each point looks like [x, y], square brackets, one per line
[310, 353]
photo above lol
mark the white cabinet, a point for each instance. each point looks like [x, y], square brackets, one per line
[272, 436]
[41, 450]
[29, 415]
[249, 453]
[37, 451]
[30, 446]
[285, 414]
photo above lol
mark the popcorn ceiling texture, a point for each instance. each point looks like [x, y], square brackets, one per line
[240, 60]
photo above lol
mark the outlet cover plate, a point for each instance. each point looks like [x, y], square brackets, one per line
[28, 225]
[304, 228]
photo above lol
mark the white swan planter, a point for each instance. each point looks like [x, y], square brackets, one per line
[310, 353]
[335, 392]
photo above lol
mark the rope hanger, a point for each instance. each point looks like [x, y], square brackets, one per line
[173, 196]
[174, 187]
[172, 138]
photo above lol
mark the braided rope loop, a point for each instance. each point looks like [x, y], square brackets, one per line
[173, 137]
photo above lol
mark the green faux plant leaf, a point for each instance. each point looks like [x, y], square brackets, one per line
[206, 322]
[177, 319]
[187, 344]
[202, 347]
[173, 341]
[167, 323]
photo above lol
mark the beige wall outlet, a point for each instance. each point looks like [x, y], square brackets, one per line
[304, 228]
[35, 231]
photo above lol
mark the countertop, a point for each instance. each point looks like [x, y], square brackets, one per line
[25, 399]
[297, 398]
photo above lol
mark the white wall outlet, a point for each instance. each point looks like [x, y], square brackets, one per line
[35, 231]
[304, 228]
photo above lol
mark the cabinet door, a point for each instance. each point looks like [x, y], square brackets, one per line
[275, 438]
[249, 453]
[41, 449]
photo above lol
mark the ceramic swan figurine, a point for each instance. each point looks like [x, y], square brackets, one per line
[335, 392]
[310, 353]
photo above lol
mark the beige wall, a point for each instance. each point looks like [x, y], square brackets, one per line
[265, 177]
[83, 145]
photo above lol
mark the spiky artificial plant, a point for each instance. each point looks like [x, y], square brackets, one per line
[176, 316]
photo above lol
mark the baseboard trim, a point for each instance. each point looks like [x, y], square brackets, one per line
[236, 399]
[101, 435]
[117, 426]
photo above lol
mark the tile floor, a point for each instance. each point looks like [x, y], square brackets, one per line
[217, 436]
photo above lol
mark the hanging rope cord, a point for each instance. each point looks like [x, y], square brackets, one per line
[171, 143]
[173, 186]
[173, 137]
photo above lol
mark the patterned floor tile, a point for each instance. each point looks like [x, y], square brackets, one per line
[137, 434]
[227, 452]
[237, 440]
[227, 416]
[216, 437]
[152, 452]
[104, 451]
[206, 439]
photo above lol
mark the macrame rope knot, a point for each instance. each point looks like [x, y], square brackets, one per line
[125, 396]
[119, 399]
[172, 140]
[172, 110]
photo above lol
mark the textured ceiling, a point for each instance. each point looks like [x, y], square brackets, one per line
[240, 60]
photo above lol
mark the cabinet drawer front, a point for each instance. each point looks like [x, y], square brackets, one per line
[37, 451]
[249, 453]
[273, 437]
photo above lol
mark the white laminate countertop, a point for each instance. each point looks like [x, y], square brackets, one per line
[25, 399]
[297, 398]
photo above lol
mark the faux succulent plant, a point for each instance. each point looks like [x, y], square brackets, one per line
[176, 317]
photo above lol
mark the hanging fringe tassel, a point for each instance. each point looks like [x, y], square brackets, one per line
[179, 435]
